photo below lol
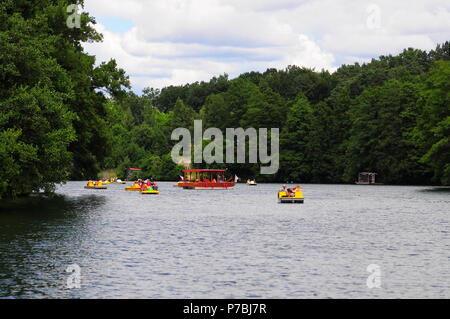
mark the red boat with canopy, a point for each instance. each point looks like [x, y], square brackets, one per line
[205, 179]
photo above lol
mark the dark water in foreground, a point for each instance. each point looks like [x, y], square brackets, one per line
[238, 243]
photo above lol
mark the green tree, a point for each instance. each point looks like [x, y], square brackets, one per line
[294, 161]
[383, 120]
[182, 116]
[433, 125]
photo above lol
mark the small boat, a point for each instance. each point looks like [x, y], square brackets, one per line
[283, 197]
[251, 183]
[95, 187]
[211, 179]
[133, 189]
[150, 192]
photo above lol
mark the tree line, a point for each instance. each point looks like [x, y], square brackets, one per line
[389, 116]
[52, 97]
[65, 117]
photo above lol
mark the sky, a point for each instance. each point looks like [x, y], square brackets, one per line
[174, 42]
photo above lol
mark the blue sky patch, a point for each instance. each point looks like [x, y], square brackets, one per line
[115, 24]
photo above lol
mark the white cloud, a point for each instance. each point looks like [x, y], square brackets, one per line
[180, 41]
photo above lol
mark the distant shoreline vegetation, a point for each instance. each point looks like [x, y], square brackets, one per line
[389, 116]
[62, 118]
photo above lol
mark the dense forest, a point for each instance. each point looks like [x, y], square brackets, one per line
[390, 116]
[64, 116]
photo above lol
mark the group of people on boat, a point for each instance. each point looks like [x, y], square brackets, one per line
[95, 184]
[103, 182]
[218, 179]
[290, 192]
[148, 184]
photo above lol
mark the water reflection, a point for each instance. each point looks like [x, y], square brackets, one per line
[436, 190]
[236, 243]
[38, 236]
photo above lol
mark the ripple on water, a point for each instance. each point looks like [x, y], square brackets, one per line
[238, 243]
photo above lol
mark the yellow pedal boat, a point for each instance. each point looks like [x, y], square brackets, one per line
[133, 189]
[150, 192]
[296, 199]
[95, 187]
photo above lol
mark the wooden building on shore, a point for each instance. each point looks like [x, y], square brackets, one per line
[367, 178]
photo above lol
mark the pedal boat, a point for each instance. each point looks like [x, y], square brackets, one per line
[95, 187]
[150, 192]
[133, 189]
[296, 199]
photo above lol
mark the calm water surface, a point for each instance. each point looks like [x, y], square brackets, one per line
[238, 243]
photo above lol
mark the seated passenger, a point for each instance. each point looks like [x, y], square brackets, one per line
[290, 192]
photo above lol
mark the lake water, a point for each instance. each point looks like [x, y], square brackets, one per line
[236, 243]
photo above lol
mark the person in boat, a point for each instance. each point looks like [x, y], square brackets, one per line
[99, 183]
[90, 184]
[289, 191]
[144, 187]
[154, 186]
